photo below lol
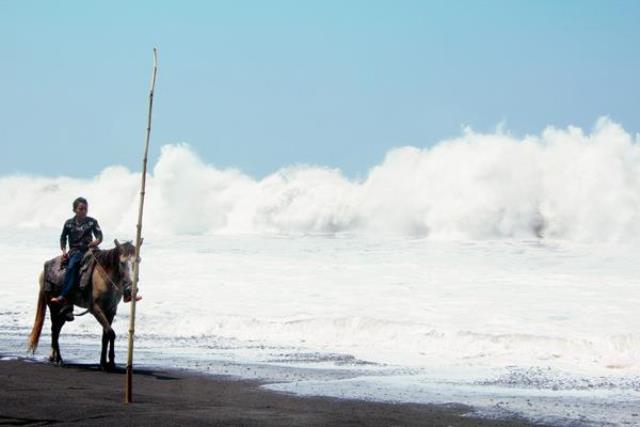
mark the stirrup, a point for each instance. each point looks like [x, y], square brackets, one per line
[67, 313]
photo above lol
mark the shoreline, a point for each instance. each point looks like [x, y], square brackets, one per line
[35, 393]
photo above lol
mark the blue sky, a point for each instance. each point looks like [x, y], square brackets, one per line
[259, 85]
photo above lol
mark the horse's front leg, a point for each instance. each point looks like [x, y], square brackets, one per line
[103, 352]
[108, 335]
[112, 344]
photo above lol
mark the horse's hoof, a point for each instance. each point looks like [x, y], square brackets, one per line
[108, 367]
[56, 360]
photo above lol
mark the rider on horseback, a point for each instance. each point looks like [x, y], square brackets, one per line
[107, 271]
[80, 232]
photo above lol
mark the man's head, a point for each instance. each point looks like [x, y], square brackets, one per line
[80, 207]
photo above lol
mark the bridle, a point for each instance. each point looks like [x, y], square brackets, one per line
[104, 274]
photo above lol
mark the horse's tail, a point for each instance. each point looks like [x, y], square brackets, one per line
[41, 310]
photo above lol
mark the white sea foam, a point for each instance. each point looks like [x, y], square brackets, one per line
[542, 328]
[564, 184]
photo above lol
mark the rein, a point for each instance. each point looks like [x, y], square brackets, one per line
[104, 274]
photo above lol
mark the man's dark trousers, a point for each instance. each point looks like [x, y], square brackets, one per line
[73, 265]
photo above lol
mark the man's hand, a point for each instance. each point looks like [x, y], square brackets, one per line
[64, 254]
[94, 244]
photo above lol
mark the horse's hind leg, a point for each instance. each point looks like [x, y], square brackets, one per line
[56, 326]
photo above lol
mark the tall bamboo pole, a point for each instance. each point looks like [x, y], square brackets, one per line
[136, 264]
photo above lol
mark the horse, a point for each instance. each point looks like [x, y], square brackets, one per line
[110, 279]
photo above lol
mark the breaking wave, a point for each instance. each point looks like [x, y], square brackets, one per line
[564, 183]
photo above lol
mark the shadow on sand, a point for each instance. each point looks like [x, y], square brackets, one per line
[120, 370]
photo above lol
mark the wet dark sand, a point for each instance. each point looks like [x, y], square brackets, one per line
[34, 394]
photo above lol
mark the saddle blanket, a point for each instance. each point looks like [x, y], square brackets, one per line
[54, 273]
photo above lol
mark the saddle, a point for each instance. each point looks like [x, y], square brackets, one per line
[54, 272]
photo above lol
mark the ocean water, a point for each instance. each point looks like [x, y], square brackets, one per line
[544, 329]
[488, 270]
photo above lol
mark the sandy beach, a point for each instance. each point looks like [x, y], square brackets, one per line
[34, 394]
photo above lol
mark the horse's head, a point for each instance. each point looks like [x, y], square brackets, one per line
[126, 254]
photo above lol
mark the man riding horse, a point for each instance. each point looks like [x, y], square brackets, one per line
[105, 281]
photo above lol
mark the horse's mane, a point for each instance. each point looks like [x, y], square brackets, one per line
[108, 258]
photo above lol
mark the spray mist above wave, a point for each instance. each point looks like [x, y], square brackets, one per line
[564, 183]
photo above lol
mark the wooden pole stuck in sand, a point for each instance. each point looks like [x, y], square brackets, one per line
[136, 264]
